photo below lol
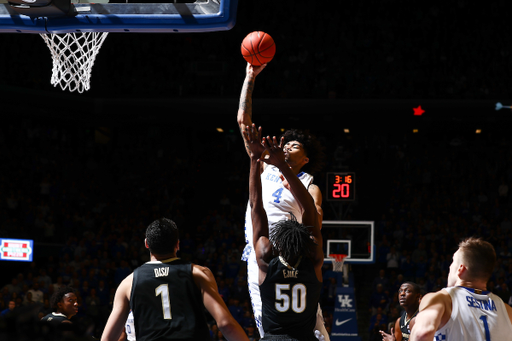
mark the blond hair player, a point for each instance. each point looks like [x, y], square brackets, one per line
[465, 310]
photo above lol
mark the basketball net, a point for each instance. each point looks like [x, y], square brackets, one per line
[337, 262]
[73, 56]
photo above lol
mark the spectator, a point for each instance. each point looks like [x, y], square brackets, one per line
[36, 293]
[379, 299]
[392, 258]
[381, 279]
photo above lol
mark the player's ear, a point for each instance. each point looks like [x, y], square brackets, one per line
[146, 243]
[178, 245]
[461, 270]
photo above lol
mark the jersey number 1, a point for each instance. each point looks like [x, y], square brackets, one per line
[486, 328]
[163, 290]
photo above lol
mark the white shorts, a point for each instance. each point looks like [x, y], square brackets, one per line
[254, 289]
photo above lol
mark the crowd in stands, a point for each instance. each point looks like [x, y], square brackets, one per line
[87, 204]
[442, 190]
[91, 200]
[344, 50]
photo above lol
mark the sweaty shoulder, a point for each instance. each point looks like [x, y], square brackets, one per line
[440, 301]
[441, 296]
[125, 288]
[201, 274]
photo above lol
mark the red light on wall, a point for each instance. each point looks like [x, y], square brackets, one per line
[418, 111]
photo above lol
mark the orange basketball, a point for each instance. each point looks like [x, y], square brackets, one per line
[258, 48]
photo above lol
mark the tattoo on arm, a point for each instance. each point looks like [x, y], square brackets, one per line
[246, 104]
[246, 97]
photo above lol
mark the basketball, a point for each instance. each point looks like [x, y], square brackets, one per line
[258, 48]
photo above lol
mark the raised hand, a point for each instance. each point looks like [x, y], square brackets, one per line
[253, 71]
[388, 337]
[275, 151]
[252, 140]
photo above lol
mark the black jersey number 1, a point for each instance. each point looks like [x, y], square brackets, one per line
[163, 290]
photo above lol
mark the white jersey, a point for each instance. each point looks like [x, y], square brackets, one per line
[129, 327]
[279, 202]
[475, 317]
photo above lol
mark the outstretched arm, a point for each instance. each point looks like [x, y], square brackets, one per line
[261, 243]
[213, 302]
[244, 117]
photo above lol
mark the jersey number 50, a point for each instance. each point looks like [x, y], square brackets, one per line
[297, 299]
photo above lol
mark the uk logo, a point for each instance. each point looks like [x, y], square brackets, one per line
[345, 300]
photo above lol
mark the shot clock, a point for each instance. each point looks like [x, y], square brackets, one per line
[341, 186]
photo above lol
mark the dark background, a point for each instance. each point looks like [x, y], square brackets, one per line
[363, 66]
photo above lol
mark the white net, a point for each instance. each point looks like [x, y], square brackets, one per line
[337, 262]
[73, 56]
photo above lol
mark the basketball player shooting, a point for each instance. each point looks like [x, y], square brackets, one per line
[302, 153]
[290, 258]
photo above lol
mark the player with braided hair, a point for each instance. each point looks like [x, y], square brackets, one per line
[290, 258]
[291, 238]
[304, 155]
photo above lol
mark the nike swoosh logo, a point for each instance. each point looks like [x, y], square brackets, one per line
[339, 323]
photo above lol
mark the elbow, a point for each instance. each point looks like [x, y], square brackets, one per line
[422, 334]
[241, 118]
[252, 203]
[227, 326]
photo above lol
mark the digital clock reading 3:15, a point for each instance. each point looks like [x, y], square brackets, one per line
[341, 186]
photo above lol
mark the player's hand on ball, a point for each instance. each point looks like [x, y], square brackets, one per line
[253, 71]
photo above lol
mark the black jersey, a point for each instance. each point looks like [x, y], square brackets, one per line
[290, 300]
[54, 319]
[404, 325]
[166, 303]
[57, 322]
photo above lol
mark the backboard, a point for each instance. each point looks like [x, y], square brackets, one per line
[172, 16]
[353, 238]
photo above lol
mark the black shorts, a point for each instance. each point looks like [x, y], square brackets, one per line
[270, 337]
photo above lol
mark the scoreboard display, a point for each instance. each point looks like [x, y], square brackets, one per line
[341, 186]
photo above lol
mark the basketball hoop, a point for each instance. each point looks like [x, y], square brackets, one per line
[337, 262]
[73, 56]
